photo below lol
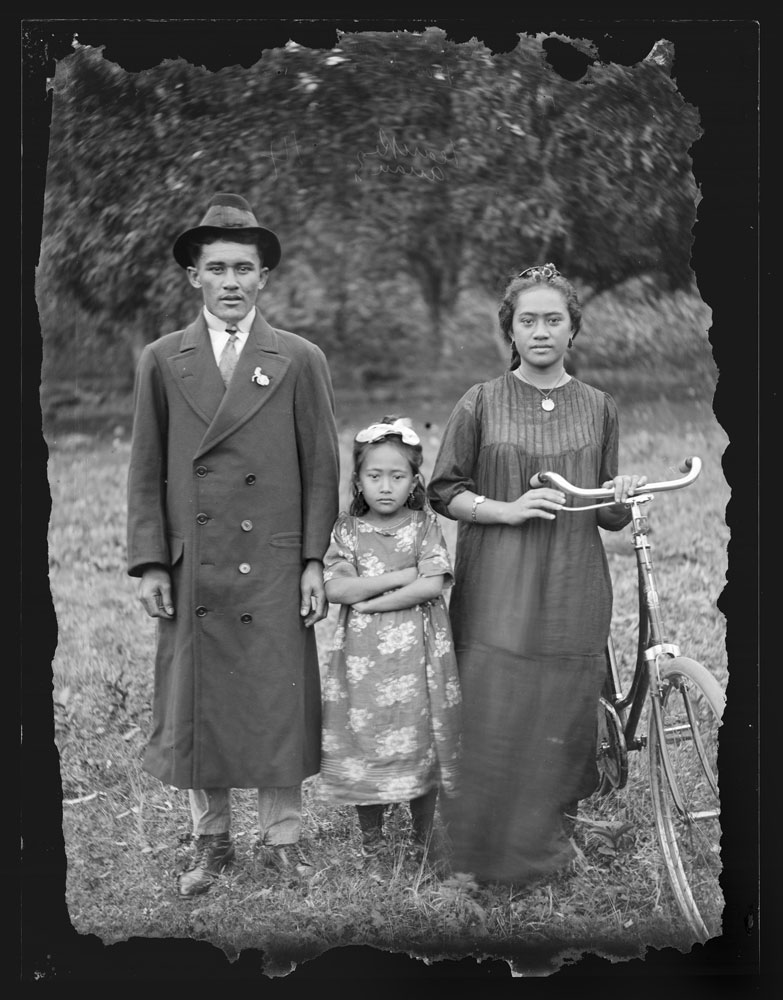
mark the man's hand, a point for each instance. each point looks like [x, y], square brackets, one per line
[314, 605]
[155, 592]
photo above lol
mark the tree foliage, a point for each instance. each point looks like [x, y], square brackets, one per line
[399, 169]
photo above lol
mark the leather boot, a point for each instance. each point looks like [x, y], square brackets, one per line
[214, 852]
[289, 859]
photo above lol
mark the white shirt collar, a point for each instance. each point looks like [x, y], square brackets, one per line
[218, 336]
[219, 326]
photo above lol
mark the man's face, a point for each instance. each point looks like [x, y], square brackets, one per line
[230, 276]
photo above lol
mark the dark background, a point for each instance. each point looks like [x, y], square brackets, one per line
[717, 71]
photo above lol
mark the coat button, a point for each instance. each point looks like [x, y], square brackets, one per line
[202, 518]
[201, 611]
[247, 525]
[246, 619]
[201, 471]
[244, 567]
[250, 479]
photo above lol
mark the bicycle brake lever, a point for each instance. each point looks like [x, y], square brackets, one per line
[636, 498]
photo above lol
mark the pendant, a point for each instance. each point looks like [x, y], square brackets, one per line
[547, 404]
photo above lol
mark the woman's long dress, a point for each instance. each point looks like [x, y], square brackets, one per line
[530, 613]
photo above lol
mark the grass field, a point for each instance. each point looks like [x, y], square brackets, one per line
[126, 835]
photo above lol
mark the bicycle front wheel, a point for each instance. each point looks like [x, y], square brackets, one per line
[684, 785]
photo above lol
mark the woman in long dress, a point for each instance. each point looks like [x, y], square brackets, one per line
[531, 606]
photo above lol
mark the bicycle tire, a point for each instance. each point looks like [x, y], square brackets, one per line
[611, 751]
[689, 837]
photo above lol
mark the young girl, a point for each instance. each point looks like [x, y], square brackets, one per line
[391, 696]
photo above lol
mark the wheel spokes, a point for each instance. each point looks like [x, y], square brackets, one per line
[685, 793]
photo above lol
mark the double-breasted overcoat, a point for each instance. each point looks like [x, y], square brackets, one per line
[233, 490]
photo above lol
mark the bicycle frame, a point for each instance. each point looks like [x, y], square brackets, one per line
[652, 643]
[652, 640]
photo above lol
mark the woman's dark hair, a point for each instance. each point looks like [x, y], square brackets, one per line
[413, 452]
[514, 289]
[196, 245]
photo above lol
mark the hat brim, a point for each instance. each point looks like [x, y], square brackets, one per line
[268, 242]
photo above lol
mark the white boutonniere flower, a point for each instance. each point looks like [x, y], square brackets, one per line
[258, 376]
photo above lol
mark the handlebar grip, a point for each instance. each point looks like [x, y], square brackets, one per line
[691, 467]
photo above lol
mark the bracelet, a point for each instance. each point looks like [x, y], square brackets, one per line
[476, 502]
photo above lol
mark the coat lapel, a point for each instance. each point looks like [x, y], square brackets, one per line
[196, 373]
[244, 396]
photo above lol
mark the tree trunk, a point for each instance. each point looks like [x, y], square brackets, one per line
[439, 295]
[435, 311]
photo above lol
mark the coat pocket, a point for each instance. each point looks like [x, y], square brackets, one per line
[286, 540]
[176, 548]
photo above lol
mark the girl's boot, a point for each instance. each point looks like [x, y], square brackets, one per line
[371, 826]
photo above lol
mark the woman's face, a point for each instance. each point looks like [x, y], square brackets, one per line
[540, 328]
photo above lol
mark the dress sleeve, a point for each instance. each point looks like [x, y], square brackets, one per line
[340, 558]
[459, 449]
[609, 464]
[433, 556]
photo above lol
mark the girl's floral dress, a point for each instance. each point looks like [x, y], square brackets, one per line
[391, 696]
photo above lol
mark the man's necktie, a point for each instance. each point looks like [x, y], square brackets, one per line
[228, 359]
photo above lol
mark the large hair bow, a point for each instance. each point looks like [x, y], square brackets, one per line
[375, 432]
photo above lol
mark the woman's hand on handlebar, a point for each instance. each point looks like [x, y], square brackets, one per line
[542, 503]
[624, 486]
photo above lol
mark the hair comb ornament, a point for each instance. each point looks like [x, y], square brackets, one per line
[375, 432]
[546, 271]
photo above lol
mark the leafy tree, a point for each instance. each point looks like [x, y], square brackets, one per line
[392, 162]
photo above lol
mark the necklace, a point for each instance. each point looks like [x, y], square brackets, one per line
[546, 402]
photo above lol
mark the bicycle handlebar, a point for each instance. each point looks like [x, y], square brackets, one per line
[691, 466]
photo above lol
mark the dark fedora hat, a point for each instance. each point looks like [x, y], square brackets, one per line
[227, 212]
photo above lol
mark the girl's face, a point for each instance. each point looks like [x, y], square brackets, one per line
[540, 328]
[386, 480]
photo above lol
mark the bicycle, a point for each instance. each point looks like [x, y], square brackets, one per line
[685, 709]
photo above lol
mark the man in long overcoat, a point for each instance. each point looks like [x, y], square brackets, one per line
[232, 493]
